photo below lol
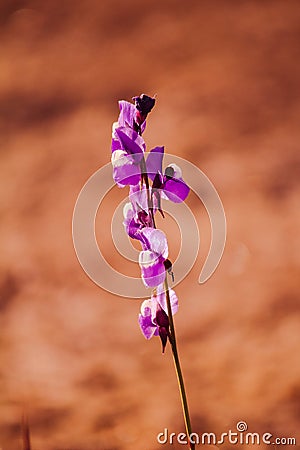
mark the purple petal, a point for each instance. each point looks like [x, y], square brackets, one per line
[176, 189]
[127, 114]
[153, 269]
[125, 171]
[115, 145]
[138, 198]
[156, 241]
[133, 229]
[154, 161]
[147, 326]
[174, 186]
[162, 301]
[130, 141]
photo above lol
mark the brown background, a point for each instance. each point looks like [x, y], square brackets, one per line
[226, 75]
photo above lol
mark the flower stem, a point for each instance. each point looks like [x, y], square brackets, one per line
[178, 370]
[144, 176]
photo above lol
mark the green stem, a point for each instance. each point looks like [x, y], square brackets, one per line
[178, 370]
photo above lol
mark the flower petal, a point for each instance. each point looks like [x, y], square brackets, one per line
[115, 144]
[154, 161]
[162, 301]
[129, 222]
[125, 171]
[176, 189]
[153, 269]
[128, 211]
[130, 141]
[147, 326]
[156, 241]
[138, 198]
[127, 114]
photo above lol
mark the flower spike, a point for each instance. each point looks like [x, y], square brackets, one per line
[149, 184]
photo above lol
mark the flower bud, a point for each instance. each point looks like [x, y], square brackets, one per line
[144, 104]
[162, 319]
[168, 265]
[163, 334]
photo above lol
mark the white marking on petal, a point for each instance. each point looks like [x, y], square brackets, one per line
[128, 211]
[146, 308]
[147, 259]
[114, 126]
[119, 158]
[157, 240]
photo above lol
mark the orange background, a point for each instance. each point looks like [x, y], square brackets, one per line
[226, 75]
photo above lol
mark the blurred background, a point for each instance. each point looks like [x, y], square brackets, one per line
[226, 75]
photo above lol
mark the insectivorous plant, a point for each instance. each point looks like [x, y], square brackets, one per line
[148, 185]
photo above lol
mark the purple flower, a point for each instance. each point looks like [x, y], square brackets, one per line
[127, 152]
[131, 223]
[134, 115]
[127, 145]
[154, 245]
[136, 215]
[153, 255]
[153, 319]
[173, 185]
[170, 185]
[148, 185]
[126, 169]
[128, 117]
[136, 212]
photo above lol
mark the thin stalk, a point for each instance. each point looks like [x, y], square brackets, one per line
[178, 370]
[144, 175]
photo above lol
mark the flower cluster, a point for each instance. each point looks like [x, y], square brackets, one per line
[148, 185]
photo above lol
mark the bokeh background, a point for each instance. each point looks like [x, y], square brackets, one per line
[226, 75]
